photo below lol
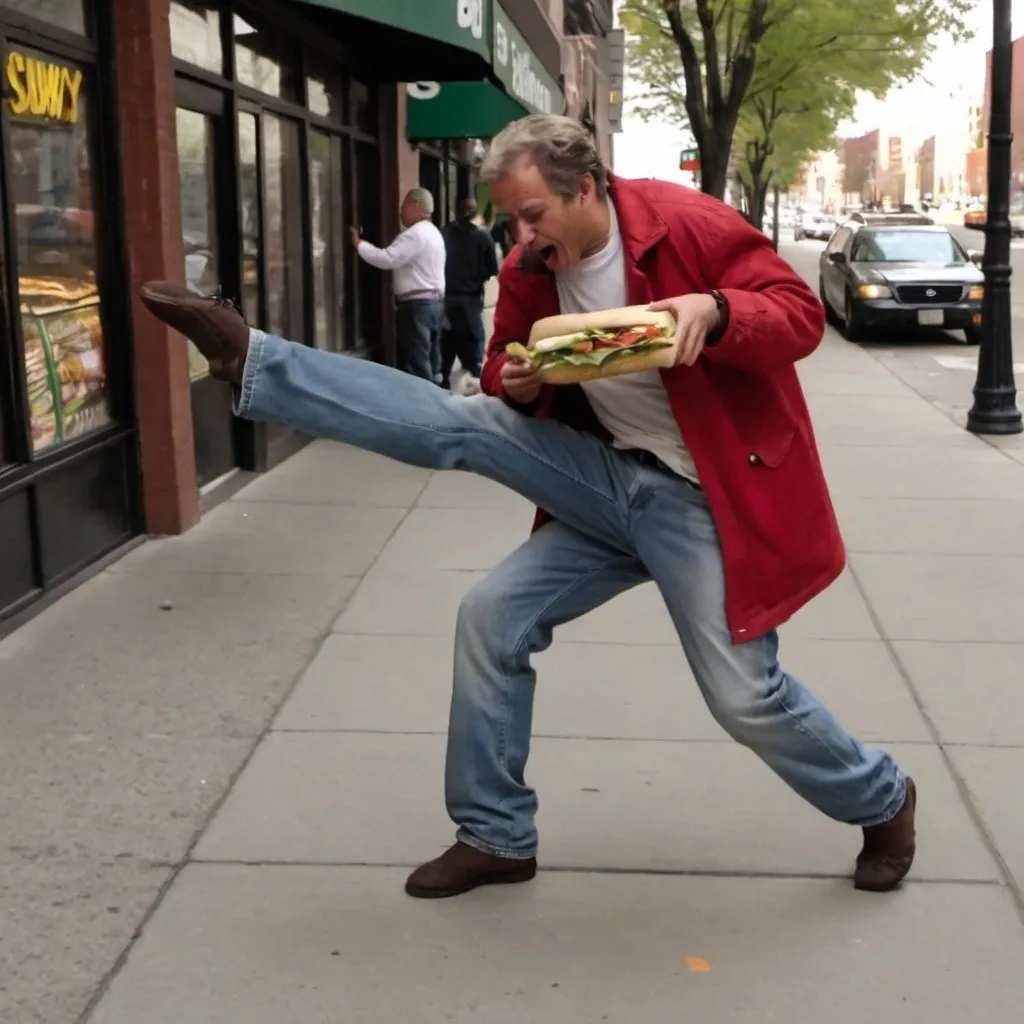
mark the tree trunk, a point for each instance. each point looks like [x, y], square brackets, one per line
[756, 191]
[714, 149]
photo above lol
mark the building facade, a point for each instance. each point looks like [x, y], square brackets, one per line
[1016, 126]
[228, 146]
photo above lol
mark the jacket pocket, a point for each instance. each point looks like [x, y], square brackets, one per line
[771, 448]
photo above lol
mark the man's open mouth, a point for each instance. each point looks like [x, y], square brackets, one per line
[548, 252]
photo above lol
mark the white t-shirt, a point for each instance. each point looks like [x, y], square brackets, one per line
[634, 407]
[417, 257]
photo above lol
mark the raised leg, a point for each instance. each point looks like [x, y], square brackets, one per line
[576, 477]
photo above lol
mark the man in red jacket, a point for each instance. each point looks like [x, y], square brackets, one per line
[703, 478]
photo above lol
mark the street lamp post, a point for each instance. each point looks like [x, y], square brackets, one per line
[995, 392]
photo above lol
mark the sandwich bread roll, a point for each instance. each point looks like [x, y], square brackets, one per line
[574, 348]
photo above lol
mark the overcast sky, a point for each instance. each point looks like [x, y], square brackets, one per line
[916, 111]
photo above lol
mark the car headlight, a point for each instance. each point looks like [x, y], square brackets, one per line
[874, 291]
[976, 293]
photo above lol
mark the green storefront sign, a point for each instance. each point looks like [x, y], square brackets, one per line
[519, 70]
[462, 23]
[467, 110]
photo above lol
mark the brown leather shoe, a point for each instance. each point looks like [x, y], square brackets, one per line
[213, 325]
[888, 849]
[461, 868]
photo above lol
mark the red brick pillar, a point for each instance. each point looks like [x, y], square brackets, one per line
[152, 196]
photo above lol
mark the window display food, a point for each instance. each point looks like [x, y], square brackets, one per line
[63, 360]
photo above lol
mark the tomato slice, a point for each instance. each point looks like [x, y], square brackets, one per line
[584, 346]
[628, 337]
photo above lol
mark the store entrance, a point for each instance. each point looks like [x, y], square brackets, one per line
[203, 161]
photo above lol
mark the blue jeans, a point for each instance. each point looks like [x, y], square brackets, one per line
[418, 336]
[620, 523]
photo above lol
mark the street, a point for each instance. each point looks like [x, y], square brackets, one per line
[937, 365]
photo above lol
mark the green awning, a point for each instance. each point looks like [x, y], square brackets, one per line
[460, 24]
[458, 110]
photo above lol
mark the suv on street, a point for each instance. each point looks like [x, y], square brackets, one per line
[900, 270]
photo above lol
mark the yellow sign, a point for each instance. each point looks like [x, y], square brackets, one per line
[43, 89]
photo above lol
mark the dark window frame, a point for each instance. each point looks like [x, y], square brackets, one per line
[343, 133]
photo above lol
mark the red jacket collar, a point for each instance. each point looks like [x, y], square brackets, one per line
[639, 222]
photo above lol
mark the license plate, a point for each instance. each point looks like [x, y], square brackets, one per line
[931, 317]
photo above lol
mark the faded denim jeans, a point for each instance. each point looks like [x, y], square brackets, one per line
[620, 523]
[418, 334]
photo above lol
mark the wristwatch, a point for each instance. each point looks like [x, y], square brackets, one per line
[715, 336]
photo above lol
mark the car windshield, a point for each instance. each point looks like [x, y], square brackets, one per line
[907, 247]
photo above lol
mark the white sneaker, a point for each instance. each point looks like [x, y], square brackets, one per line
[467, 386]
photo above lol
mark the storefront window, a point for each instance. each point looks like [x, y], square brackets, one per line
[324, 88]
[51, 186]
[282, 156]
[66, 14]
[195, 36]
[364, 108]
[265, 60]
[249, 198]
[325, 218]
[196, 148]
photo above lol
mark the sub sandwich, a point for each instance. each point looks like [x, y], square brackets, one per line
[574, 348]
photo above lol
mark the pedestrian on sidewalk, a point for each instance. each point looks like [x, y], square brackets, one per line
[704, 478]
[417, 258]
[471, 263]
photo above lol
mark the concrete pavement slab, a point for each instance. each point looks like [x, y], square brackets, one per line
[335, 474]
[366, 798]
[1011, 447]
[993, 777]
[452, 489]
[883, 421]
[945, 597]
[64, 925]
[420, 602]
[964, 526]
[108, 658]
[275, 537]
[456, 538]
[110, 797]
[403, 684]
[856, 379]
[345, 944]
[969, 691]
[922, 472]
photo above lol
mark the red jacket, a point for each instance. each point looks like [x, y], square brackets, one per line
[740, 409]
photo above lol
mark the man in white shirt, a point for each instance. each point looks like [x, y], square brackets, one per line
[417, 259]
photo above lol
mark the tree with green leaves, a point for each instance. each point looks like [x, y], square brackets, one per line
[726, 54]
[779, 131]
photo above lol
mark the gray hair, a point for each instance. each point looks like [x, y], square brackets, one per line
[423, 197]
[560, 147]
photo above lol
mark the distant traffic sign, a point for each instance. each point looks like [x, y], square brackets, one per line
[689, 160]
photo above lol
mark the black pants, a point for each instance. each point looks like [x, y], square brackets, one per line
[463, 336]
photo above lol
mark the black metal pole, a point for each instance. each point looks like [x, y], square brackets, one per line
[995, 391]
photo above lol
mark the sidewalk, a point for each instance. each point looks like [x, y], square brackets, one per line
[286, 709]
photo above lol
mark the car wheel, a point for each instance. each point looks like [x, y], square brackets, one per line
[972, 335]
[853, 329]
[830, 313]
